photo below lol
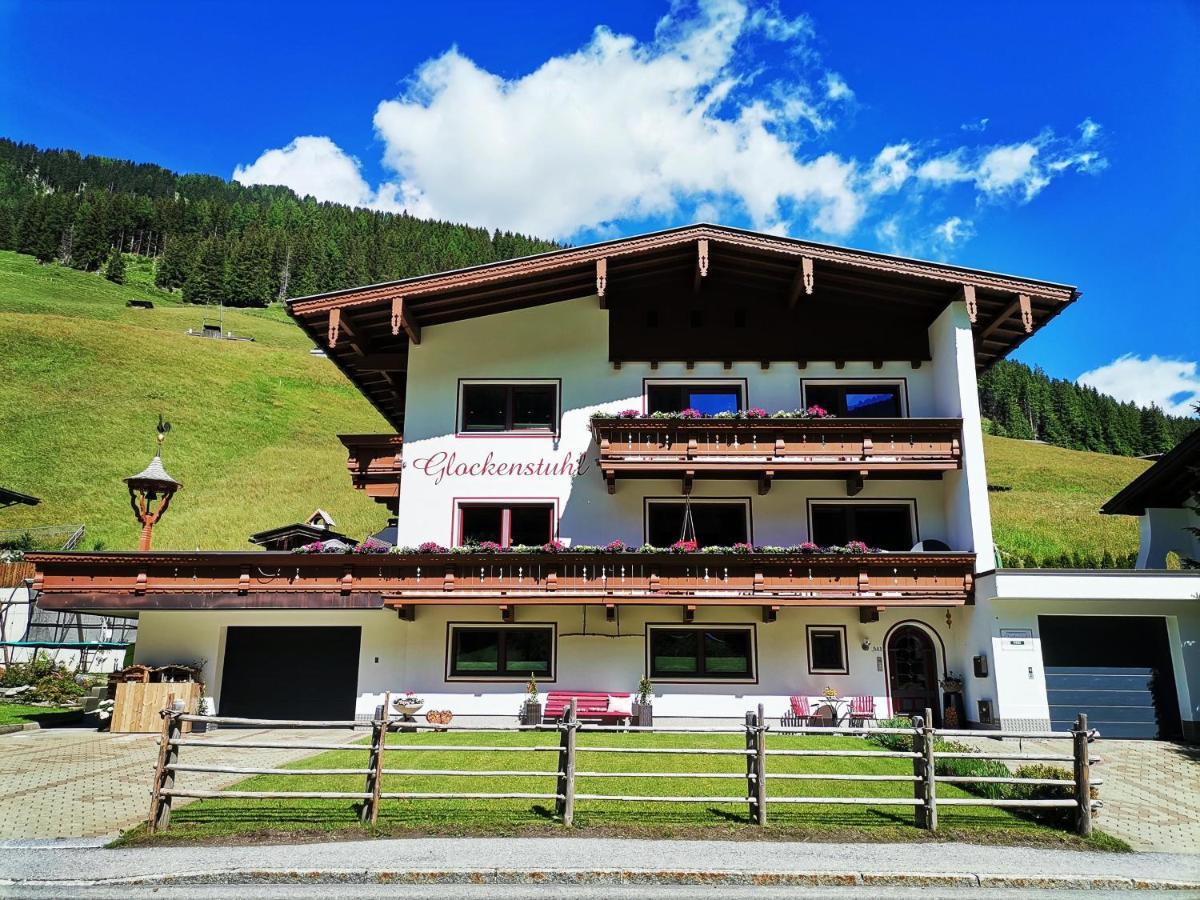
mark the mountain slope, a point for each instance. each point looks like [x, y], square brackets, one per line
[83, 378]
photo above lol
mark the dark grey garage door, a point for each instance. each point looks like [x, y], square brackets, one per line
[290, 673]
[1116, 669]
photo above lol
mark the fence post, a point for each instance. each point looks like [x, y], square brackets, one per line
[918, 767]
[1083, 777]
[931, 816]
[760, 765]
[370, 807]
[566, 764]
[164, 774]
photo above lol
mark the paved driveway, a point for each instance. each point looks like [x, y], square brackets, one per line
[1151, 791]
[71, 782]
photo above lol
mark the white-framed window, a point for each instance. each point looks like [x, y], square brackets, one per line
[702, 653]
[518, 406]
[886, 524]
[718, 521]
[857, 398]
[487, 652]
[708, 395]
[827, 650]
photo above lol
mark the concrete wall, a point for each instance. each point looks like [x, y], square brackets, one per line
[1165, 531]
[592, 654]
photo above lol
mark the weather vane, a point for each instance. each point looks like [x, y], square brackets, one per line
[163, 428]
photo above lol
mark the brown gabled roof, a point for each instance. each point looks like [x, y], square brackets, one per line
[373, 325]
[1165, 485]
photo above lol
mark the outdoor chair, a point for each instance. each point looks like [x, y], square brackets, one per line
[862, 710]
[797, 714]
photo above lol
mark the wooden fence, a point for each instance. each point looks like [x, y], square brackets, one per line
[925, 801]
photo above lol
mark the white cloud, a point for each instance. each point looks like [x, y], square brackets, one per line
[979, 125]
[836, 87]
[696, 119]
[311, 165]
[954, 230]
[1171, 384]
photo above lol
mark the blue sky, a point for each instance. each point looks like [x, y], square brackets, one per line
[1051, 140]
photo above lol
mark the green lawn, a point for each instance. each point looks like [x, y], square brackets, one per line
[256, 819]
[20, 713]
[1055, 498]
[83, 378]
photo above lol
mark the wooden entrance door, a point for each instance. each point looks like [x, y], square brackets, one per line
[912, 673]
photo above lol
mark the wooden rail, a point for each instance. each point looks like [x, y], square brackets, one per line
[406, 581]
[767, 449]
[757, 777]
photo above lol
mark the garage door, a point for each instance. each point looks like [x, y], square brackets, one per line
[1116, 669]
[290, 673]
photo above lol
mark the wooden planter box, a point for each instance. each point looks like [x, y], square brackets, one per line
[531, 714]
[643, 715]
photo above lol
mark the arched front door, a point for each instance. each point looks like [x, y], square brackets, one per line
[912, 673]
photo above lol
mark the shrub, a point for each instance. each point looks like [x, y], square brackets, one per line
[59, 687]
[32, 672]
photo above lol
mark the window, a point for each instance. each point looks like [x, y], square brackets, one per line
[504, 652]
[827, 650]
[857, 400]
[888, 526]
[506, 524]
[701, 653]
[719, 523]
[488, 407]
[707, 398]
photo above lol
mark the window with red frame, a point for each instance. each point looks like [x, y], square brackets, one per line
[506, 524]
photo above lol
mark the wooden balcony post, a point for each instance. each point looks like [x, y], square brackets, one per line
[1083, 777]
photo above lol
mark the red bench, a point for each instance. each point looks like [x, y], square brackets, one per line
[588, 705]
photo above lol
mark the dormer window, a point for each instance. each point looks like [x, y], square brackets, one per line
[857, 399]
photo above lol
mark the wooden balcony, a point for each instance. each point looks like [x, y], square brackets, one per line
[766, 449]
[110, 582]
[375, 462]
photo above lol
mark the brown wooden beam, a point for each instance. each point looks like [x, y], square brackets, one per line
[770, 614]
[1000, 319]
[382, 362]
[335, 324]
[854, 484]
[602, 280]
[407, 613]
[701, 264]
[968, 296]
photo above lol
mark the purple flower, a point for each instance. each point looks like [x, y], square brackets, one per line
[629, 414]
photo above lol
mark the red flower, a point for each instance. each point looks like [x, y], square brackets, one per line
[690, 413]
[683, 547]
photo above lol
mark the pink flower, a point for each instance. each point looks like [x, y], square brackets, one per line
[431, 547]
[756, 412]
[629, 414]
[683, 547]
[857, 547]
[555, 546]
[615, 547]
[743, 547]
[809, 547]
[690, 413]
[817, 412]
[489, 547]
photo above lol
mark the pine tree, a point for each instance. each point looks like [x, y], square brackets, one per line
[114, 269]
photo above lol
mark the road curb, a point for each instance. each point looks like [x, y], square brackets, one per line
[626, 877]
[23, 726]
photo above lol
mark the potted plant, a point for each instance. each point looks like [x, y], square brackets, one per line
[954, 714]
[643, 711]
[531, 712]
[408, 704]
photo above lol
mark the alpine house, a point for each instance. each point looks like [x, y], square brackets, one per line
[745, 467]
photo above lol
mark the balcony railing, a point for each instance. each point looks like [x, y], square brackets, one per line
[159, 580]
[375, 462]
[766, 449]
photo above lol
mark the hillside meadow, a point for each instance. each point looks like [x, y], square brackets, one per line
[83, 378]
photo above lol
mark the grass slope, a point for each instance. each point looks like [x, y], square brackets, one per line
[82, 379]
[1056, 495]
[249, 820]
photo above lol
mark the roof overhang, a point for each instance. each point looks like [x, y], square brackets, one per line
[1166, 484]
[367, 331]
